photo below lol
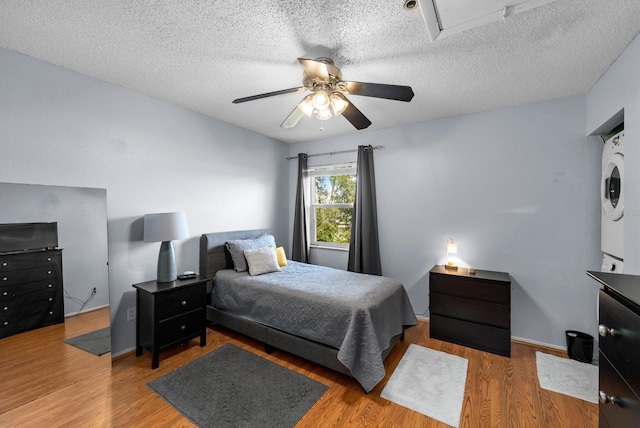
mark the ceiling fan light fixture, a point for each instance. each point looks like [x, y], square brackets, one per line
[324, 114]
[306, 106]
[339, 103]
[321, 99]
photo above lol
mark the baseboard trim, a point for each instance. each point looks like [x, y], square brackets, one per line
[86, 311]
[122, 354]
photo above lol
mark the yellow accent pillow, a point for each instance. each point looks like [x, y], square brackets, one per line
[282, 257]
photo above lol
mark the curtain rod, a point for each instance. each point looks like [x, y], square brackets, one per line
[334, 153]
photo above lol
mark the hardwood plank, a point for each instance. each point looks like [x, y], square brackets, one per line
[500, 391]
[38, 362]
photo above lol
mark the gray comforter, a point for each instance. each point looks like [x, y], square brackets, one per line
[354, 313]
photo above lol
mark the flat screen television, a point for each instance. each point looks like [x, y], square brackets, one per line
[28, 236]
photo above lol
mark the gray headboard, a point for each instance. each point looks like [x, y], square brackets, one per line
[213, 253]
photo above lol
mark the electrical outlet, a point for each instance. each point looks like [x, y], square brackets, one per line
[131, 314]
[95, 291]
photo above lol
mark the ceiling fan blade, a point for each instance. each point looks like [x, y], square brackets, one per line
[355, 116]
[319, 69]
[293, 118]
[269, 94]
[380, 90]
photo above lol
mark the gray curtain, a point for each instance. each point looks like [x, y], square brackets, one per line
[364, 247]
[300, 251]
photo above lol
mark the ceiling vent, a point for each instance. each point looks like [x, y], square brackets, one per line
[446, 17]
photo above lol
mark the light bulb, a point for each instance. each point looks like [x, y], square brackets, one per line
[321, 99]
[306, 106]
[338, 102]
[324, 114]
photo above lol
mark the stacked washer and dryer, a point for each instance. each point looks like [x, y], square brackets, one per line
[612, 196]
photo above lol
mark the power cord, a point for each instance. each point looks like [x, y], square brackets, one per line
[81, 302]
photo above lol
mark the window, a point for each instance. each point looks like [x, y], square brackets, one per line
[333, 190]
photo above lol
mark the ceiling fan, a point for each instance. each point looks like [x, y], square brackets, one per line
[329, 91]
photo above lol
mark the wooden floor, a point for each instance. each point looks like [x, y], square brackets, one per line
[45, 382]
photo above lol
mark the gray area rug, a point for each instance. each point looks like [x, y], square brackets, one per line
[569, 377]
[231, 387]
[97, 342]
[430, 382]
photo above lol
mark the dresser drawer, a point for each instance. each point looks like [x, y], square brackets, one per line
[622, 349]
[479, 336]
[27, 275]
[177, 328]
[30, 321]
[29, 260]
[180, 301]
[11, 292]
[26, 306]
[470, 310]
[471, 288]
[626, 411]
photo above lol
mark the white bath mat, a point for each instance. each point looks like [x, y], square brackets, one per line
[429, 382]
[569, 377]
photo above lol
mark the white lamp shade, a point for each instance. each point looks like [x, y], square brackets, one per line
[161, 227]
[452, 247]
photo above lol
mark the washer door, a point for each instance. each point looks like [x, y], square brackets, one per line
[611, 187]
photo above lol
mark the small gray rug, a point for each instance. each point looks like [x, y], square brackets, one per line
[569, 377]
[231, 387]
[430, 382]
[97, 342]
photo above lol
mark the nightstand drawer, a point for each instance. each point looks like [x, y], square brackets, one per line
[471, 288]
[622, 349]
[479, 336]
[177, 328]
[181, 301]
[626, 412]
[470, 310]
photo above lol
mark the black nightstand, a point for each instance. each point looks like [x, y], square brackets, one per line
[170, 313]
[472, 310]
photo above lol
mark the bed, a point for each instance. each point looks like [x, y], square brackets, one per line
[345, 321]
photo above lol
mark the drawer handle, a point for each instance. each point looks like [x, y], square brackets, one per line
[183, 327]
[4, 264]
[48, 272]
[605, 331]
[4, 278]
[6, 307]
[50, 286]
[184, 303]
[607, 399]
[6, 323]
[5, 293]
[48, 259]
[50, 299]
[51, 313]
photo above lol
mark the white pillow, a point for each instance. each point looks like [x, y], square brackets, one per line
[262, 260]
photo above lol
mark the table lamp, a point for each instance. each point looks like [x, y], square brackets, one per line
[452, 248]
[165, 227]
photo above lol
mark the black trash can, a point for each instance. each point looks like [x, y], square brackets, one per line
[580, 346]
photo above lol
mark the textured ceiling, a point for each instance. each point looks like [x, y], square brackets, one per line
[203, 54]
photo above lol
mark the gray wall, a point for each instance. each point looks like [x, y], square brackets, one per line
[62, 128]
[619, 89]
[516, 188]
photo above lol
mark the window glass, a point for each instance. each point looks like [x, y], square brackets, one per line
[333, 191]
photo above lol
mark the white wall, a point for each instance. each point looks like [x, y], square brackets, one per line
[62, 128]
[516, 188]
[619, 89]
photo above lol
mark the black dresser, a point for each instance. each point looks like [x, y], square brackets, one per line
[619, 330]
[31, 293]
[471, 309]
